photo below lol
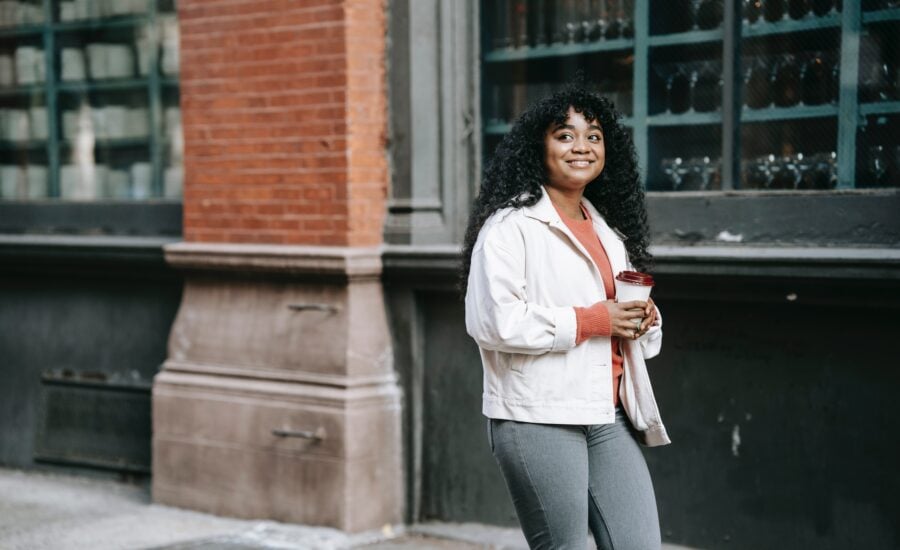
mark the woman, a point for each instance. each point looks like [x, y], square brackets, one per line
[560, 213]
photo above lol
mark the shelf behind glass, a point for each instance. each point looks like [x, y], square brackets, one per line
[785, 26]
[788, 113]
[690, 118]
[690, 37]
[18, 31]
[102, 85]
[6, 145]
[557, 50]
[28, 90]
[122, 21]
[892, 14]
[500, 129]
[109, 143]
[880, 108]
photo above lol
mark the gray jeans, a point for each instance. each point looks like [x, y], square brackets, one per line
[565, 479]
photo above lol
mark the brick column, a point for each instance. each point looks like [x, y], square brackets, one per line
[278, 398]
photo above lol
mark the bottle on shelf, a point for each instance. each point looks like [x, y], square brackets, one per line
[818, 171]
[707, 92]
[786, 82]
[614, 20]
[785, 172]
[876, 167]
[798, 9]
[821, 7]
[755, 173]
[894, 172]
[680, 16]
[502, 34]
[876, 83]
[595, 26]
[752, 9]
[627, 11]
[699, 173]
[678, 90]
[773, 10]
[816, 81]
[710, 14]
[519, 15]
[757, 86]
[674, 170]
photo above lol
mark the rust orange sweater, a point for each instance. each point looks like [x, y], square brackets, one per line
[594, 320]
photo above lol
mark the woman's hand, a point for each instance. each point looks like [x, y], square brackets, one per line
[627, 318]
[650, 317]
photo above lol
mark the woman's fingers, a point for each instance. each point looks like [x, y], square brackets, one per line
[634, 304]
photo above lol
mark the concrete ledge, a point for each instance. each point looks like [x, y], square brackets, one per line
[345, 262]
[440, 262]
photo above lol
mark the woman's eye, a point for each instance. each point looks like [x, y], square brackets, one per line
[595, 138]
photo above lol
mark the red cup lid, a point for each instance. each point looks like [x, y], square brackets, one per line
[635, 278]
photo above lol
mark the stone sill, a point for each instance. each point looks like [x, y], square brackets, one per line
[433, 263]
[754, 261]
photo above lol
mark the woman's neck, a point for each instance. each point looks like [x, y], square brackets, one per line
[567, 202]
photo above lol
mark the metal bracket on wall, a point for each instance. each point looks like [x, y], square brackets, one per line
[314, 307]
[317, 435]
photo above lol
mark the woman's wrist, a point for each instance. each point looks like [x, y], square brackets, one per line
[592, 321]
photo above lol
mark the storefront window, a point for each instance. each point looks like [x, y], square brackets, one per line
[89, 100]
[815, 92]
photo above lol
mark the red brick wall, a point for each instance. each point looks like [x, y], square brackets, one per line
[284, 114]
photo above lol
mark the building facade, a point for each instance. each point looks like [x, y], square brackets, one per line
[274, 343]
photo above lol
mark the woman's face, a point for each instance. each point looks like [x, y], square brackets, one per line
[574, 152]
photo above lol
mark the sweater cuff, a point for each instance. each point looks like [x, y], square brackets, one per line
[592, 321]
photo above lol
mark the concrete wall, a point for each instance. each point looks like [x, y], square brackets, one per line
[778, 393]
[82, 337]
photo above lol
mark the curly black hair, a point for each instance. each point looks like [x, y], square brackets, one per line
[515, 173]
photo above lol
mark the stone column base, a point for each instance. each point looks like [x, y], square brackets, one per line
[278, 399]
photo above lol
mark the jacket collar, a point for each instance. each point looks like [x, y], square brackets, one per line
[544, 211]
[611, 238]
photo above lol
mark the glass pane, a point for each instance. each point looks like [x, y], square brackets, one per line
[24, 122]
[877, 146]
[112, 77]
[684, 96]
[535, 47]
[790, 56]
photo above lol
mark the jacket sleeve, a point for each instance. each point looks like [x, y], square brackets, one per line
[499, 315]
[651, 341]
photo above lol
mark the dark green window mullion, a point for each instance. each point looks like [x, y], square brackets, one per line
[731, 97]
[848, 104]
[155, 99]
[51, 95]
[640, 84]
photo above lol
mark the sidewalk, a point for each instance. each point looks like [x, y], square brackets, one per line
[61, 512]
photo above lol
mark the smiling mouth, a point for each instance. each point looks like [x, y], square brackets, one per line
[579, 163]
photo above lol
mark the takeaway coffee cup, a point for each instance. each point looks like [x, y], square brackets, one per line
[633, 285]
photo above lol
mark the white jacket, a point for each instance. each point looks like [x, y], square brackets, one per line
[528, 271]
